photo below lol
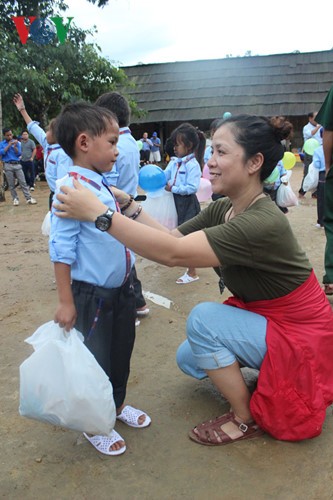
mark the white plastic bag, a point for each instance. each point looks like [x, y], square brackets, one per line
[311, 179]
[285, 196]
[162, 208]
[46, 225]
[62, 383]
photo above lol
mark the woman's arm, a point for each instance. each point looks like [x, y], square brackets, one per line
[149, 239]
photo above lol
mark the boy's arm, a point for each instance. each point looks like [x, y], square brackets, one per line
[65, 313]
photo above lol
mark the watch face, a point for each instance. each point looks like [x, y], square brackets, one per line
[103, 222]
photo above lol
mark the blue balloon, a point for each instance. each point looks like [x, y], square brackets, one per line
[151, 178]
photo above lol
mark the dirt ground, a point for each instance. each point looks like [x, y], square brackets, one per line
[39, 461]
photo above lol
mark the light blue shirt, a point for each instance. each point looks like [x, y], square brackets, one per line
[10, 154]
[185, 179]
[56, 162]
[157, 141]
[125, 172]
[94, 256]
[318, 159]
[208, 153]
[146, 144]
[307, 129]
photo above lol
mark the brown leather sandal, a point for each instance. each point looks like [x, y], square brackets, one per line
[328, 288]
[210, 433]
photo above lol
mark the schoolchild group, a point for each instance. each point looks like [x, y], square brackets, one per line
[105, 302]
[102, 298]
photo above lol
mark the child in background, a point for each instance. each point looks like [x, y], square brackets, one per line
[95, 293]
[271, 188]
[56, 162]
[318, 161]
[125, 172]
[183, 175]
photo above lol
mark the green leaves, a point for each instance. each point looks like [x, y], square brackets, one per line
[48, 76]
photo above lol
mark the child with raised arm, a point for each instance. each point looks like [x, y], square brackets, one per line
[95, 292]
[56, 161]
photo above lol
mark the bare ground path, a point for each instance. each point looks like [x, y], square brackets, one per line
[39, 461]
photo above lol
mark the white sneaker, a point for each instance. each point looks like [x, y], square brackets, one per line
[32, 188]
[16, 202]
[137, 322]
[32, 201]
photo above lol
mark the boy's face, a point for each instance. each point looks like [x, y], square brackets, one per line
[103, 150]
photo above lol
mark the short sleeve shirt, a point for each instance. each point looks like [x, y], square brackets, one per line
[27, 149]
[260, 258]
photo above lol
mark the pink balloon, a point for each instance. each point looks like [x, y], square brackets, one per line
[205, 172]
[205, 190]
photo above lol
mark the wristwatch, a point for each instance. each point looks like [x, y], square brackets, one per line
[104, 221]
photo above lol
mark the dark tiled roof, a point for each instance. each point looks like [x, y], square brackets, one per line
[283, 84]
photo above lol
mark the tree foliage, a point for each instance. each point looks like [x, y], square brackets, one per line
[50, 75]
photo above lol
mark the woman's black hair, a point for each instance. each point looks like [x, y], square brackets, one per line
[192, 138]
[81, 117]
[257, 134]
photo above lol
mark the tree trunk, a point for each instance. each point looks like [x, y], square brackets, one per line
[2, 191]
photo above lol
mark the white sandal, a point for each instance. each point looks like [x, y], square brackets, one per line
[130, 416]
[185, 279]
[104, 443]
[142, 312]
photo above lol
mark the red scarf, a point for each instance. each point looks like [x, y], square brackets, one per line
[295, 384]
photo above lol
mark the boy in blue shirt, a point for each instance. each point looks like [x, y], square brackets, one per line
[100, 301]
[125, 172]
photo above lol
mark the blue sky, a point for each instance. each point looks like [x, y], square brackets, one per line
[152, 31]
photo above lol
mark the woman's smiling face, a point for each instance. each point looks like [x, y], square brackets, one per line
[227, 166]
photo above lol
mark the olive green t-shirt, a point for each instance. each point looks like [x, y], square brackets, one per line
[259, 255]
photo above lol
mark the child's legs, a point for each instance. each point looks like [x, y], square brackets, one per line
[139, 298]
[187, 207]
[122, 341]
[111, 338]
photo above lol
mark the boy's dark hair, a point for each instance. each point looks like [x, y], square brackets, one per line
[115, 102]
[311, 115]
[81, 117]
[5, 130]
[24, 130]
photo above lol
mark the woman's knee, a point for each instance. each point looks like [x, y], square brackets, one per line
[187, 363]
